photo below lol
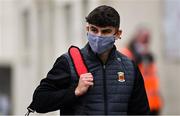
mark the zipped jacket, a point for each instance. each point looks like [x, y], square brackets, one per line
[110, 94]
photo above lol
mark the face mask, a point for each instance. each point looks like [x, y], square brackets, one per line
[100, 44]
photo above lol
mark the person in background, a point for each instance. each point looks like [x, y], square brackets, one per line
[138, 50]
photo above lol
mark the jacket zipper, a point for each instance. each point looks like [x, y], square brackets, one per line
[104, 83]
[105, 91]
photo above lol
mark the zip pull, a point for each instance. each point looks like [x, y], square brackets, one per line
[27, 114]
[29, 111]
[104, 66]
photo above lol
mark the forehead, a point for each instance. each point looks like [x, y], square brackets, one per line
[101, 28]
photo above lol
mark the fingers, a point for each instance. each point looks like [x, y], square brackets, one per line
[89, 83]
[85, 81]
[86, 77]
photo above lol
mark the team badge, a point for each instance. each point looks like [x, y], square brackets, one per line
[121, 76]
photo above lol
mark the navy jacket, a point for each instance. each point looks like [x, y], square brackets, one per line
[108, 96]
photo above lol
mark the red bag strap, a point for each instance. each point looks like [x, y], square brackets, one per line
[78, 61]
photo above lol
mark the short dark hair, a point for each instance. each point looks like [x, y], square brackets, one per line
[103, 16]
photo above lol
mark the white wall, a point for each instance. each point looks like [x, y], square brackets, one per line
[33, 33]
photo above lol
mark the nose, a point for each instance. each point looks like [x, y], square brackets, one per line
[99, 33]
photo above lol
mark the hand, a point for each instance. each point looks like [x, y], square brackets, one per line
[85, 81]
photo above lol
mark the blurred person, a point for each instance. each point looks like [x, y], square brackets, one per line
[113, 85]
[138, 50]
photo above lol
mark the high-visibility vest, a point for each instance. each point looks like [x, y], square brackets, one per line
[149, 72]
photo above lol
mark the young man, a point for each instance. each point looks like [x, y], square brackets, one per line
[113, 85]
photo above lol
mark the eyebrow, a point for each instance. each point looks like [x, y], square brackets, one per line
[92, 27]
[106, 30]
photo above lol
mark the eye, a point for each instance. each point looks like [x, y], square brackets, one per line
[94, 30]
[106, 31]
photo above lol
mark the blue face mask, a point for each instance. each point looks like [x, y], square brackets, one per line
[100, 44]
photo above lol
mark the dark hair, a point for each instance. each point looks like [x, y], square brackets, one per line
[103, 16]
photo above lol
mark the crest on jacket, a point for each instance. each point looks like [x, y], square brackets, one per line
[121, 76]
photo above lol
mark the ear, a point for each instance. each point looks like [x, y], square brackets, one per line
[87, 27]
[118, 34]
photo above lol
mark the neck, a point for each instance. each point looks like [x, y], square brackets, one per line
[104, 56]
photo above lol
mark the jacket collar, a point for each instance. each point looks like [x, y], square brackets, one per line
[93, 56]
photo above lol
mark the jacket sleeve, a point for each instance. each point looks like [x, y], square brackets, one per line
[55, 91]
[138, 103]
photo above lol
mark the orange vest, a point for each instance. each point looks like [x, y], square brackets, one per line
[149, 73]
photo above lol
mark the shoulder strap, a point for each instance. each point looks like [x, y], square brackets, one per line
[79, 66]
[77, 60]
